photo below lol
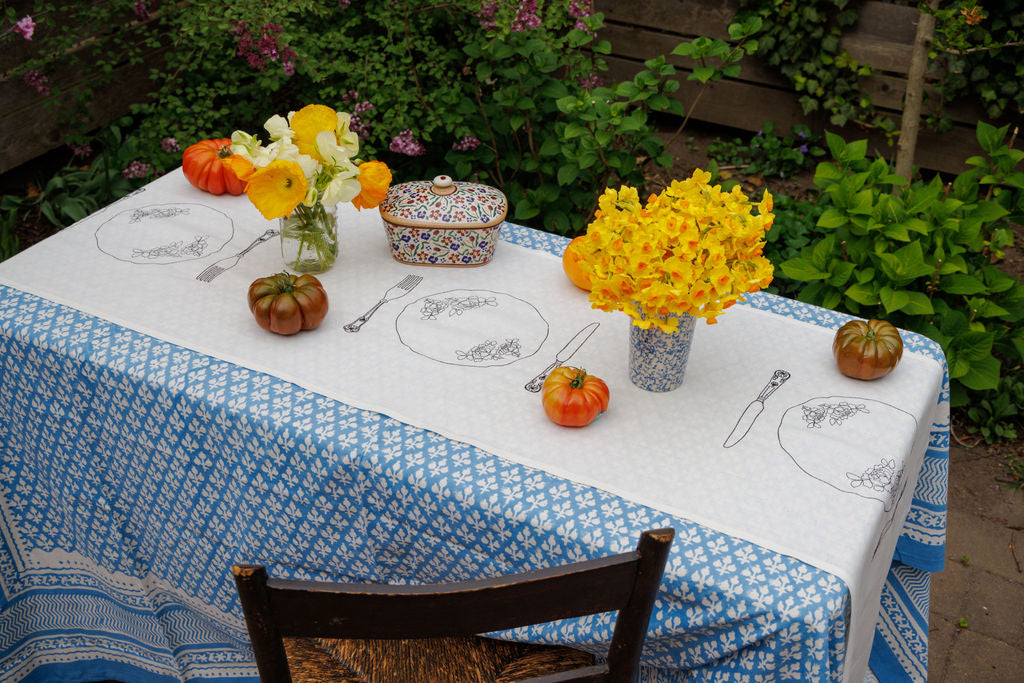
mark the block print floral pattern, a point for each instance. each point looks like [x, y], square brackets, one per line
[163, 466]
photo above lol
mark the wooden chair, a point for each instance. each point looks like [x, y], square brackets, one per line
[276, 608]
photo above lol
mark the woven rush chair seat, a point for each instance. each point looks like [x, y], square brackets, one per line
[425, 633]
[427, 660]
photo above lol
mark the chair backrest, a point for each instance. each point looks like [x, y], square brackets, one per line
[628, 583]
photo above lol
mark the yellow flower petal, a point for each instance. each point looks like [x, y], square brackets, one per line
[374, 178]
[276, 189]
[309, 122]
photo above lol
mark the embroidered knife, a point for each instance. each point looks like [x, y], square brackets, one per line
[565, 354]
[754, 409]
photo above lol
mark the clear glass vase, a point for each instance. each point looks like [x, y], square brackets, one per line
[309, 238]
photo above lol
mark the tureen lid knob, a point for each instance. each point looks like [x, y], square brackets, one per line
[443, 185]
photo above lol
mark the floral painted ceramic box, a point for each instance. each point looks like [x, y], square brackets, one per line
[443, 222]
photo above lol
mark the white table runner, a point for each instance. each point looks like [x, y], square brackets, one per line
[825, 473]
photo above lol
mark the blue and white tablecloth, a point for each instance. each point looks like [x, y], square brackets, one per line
[136, 471]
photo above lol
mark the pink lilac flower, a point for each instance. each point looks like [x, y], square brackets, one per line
[526, 16]
[142, 9]
[80, 150]
[170, 145]
[25, 26]
[263, 46]
[357, 107]
[589, 82]
[137, 169]
[466, 143]
[581, 8]
[486, 15]
[405, 143]
[38, 80]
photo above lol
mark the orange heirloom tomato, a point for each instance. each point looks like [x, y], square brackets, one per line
[572, 398]
[204, 166]
[571, 265]
[867, 349]
[285, 304]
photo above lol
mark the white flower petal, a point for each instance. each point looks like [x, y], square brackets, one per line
[341, 190]
[278, 128]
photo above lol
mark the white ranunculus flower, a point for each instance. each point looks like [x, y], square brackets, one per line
[329, 150]
[261, 157]
[309, 165]
[341, 190]
[311, 196]
[347, 139]
[243, 144]
[278, 128]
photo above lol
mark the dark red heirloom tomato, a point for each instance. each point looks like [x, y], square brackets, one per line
[867, 349]
[285, 304]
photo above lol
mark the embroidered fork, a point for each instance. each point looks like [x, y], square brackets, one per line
[399, 290]
[215, 269]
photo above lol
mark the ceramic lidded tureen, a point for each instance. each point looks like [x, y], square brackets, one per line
[443, 222]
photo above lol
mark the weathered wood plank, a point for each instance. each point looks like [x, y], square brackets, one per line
[642, 44]
[747, 106]
[683, 17]
[886, 91]
[32, 131]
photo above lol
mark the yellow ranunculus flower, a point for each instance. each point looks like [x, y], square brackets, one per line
[277, 188]
[374, 178]
[309, 122]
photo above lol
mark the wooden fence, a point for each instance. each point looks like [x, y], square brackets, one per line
[882, 38]
[30, 122]
[637, 30]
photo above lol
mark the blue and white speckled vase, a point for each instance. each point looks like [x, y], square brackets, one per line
[657, 360]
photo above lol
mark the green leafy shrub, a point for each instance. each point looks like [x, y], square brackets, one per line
[979, 57]
[74, 192]
[997, 414]
[795, 227]
[503, 92]
[924, 257]
[768, 154]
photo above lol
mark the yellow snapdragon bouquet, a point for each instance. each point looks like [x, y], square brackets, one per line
[692, 249]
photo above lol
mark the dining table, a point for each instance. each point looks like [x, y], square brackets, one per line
[154, 434]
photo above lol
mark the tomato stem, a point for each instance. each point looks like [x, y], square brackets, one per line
[577, 380]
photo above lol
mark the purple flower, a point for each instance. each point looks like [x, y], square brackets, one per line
[357, 108]
[25, 26]
[137, 169]
[526, 16]
[802, 135]
[405, 143]
[142, 10]
[38, 80]
[343, 4]
[80, 150]
[466, 143]
[263, 46]
[803, 149]
[170, 145]
[589, 82]
[581, 8]
[486, 15]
